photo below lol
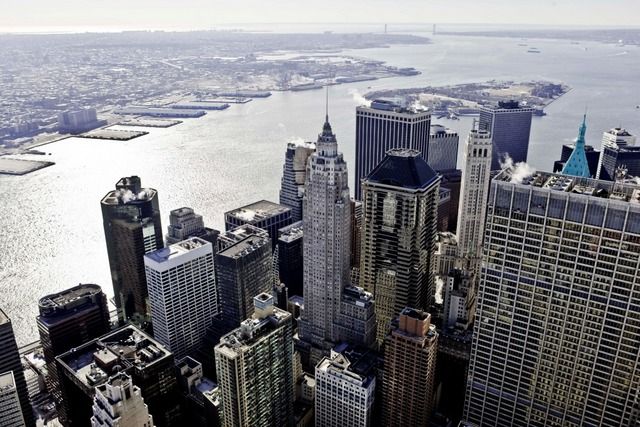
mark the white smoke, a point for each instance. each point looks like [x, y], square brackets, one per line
[636, 179]
[127, 195]
[359, 98]
[417, 105]
[520, 171]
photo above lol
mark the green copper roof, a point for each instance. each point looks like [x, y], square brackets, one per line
[577, 164]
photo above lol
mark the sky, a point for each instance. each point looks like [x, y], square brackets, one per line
[82, 15]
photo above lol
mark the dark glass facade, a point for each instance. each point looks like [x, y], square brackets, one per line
[10, 361]
[69, 319]
[379, 130]
[510, 126]
[132, 228]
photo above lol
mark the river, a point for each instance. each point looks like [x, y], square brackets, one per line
[52, 236]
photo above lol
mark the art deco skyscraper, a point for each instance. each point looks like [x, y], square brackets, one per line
[119, 403]
[509, 123]
[474, 193]
[254, 365]
[557, 330]
[182, 294]
[383, 126]
[327, 235]
[132, 228]
[67, 320]
[10, 362]
[10, 411]
[293, 176]
[409, 370]
[399, 235]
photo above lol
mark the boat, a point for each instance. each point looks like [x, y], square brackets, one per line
[533, 50]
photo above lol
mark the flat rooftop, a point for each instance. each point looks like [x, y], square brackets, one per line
[258, 211]
[245, 246]
[291, 232]
[126, 348]
[125, 196]
[7, 381]
[250, 331]
[3, 318]
[627, 191]
[70, 295]
[176, 250]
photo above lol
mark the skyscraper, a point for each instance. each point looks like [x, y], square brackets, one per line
[383, 126]
[69, 319]
[263, 214]
[290, 256]
[577, 164]
[10, 362]
[510, 126]
[185, 223]
[345, 388]
[356, 232]
[293, 176]
[474, 193]
[132, 228]
[327, 233]
[243, 270]
[443, 148]
[409, 370]
[127, 350]
[254, 365]
[10, 411]
[557, 330]
[399, 237]
[459, 299]
[618, 150]
[593, 158]
[182, 294]
[119, 403]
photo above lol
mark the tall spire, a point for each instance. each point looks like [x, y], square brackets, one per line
[577, 164]
[327, 143]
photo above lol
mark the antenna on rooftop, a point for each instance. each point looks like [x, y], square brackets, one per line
[327, 103]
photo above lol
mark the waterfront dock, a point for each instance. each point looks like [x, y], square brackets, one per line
[150, 123]
[159, 112]
[199, 105]
[113, 134]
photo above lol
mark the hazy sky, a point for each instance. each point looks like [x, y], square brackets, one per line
[21, 15]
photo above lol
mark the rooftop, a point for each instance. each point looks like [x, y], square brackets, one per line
[291, 232]
[69, 299]
[121, 350]
[393, 106]
[258, 211]
[627, 191]
[4, 318]
[250, 331]
[356, 362]
[404, 168]
[176, 250]
[245, 246]
[128, 190]
[358, 296]
[7, 381]
[618, 132]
